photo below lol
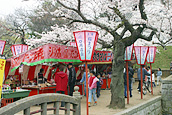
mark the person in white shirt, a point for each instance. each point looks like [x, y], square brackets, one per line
[159, 74]
[153, 79]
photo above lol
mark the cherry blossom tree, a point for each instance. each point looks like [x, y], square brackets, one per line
[120, 23]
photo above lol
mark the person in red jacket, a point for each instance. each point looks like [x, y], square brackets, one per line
[61, 81]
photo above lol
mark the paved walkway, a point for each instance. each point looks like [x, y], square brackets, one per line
[104, 100]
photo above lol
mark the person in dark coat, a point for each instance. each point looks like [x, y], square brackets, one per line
[72, 78]
[41, 79]
[61, 81]
[99, 84]
[131, 73]
[144, 73]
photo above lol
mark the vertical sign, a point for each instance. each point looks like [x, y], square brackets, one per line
[141, 54]
[151, 54]
[144, 52]
[80, 42]
[129, 53]
[90, 43]
[18, 49]
[24, 48]
[2, 68]
[2, 46]
[137, 54]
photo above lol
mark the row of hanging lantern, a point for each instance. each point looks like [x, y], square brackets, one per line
[16, 49]
[142, 54]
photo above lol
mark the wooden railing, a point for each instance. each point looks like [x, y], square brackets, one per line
[26, 103]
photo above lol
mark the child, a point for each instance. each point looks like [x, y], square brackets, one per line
[153, 79]
[92, 82]
[99, 84]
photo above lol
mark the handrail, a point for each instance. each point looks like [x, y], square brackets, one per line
[25, 104]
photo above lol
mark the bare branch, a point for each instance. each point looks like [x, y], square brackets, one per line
[134, 36]
[162, 45]
[79, 5]
[147, 38]
[105, 44]
[119, 26]
[85, 20]
[123, 32]
[141, 7]
[125, 21]
[66, 6]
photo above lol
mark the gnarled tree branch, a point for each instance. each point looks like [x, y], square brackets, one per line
[141, 7]
[84, 19]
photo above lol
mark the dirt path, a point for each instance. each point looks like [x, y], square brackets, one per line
[104, 100]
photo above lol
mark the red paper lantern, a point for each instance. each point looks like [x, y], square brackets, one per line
[86, 41]
[151, 54]
[2, 46]
[18, 49]
[129, 53]
[141, 53]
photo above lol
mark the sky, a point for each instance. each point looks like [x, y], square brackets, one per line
[9, 6]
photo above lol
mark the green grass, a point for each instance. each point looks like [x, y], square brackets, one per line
[163, 59]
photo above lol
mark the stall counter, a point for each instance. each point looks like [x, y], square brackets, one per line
[48, 89]
[39, 90]
[15, 94]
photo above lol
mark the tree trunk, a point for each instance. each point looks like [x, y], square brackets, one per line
[117, 81]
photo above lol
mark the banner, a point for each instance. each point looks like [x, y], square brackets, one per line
[55, 53]
[141, 54]
[102, 56]
[2, 46]
[129, 53]
[46, 53]
[151, 54]
[2, 68]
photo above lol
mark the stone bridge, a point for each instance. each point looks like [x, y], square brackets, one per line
[26, 103]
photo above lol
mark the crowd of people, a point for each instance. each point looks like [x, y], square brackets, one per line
[146, 76]
[95, 81]
[65, 81]
[94, 85]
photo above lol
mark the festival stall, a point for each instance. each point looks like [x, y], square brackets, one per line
[102, 62]
[35, 59]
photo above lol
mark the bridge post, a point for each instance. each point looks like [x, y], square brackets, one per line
[44, 109]
[27, 111]
[57, 106]
[78, 96]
